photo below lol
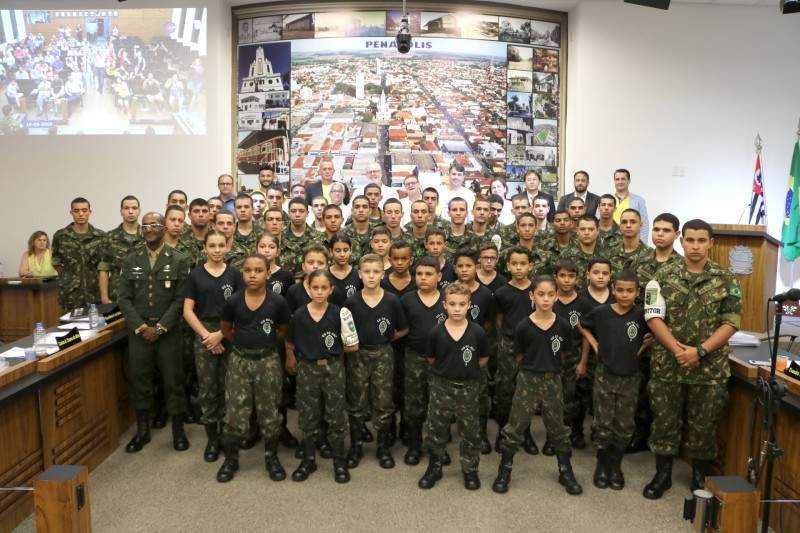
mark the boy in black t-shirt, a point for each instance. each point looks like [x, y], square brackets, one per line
[254, 321]
[618, 334]
[512, 305]
[571, 308]
[424, 307]
[540, 340]
[481, 311]
[379, 319]
[457, 350]
[435, 242]
[318, 337]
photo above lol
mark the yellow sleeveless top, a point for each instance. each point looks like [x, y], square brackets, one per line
[43, 269]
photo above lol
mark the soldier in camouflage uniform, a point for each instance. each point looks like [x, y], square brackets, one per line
[692, 310]
[542, 258]
[297, 237]
[610, 234]
[632, 251]
[120, 241]
[247, 231]
[458, 236]
[359, 227]
[77, 252]
[519, 204]
[455, 386]
[417, 229]
[254, 377]
[194, 235]
[481, 210]
[586, 247]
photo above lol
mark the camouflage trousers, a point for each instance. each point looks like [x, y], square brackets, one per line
[144, 358]
[460, 399]
[253, 380]
[416, 386]
[568, 385]
[534, 388]
[320, 395]
[398, 382]
[584, 387]
[187, 352]
[484, 400]
[614, 408]
[703, 405]
[644, 415]
[506, 375]
[211, 371]
[370, 375]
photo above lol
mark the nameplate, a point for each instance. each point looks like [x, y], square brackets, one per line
[72, 338]
[793, 369]
[112, 315]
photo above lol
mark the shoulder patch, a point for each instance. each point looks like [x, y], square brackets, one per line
[734, 290]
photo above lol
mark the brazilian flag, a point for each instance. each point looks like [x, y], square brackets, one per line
[790, 235]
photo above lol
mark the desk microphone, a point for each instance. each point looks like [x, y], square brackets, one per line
[791, 295]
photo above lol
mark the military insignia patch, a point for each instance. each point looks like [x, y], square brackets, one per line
[633, 330]
[227, 292]
[466, 355]
[474, 312]
[329, 341]
[555, 345]
[383, 325]
[573, 319]
[277, 287]
[267, 327]
[735, 291]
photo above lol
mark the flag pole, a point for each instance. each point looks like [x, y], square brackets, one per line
[758, 142]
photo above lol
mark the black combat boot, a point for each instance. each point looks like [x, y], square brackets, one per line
[601, 470]
[384, 450]
[286, 438]
[699, 471]
[576, 437]
[486, 446]
[402, 431]
[615, 478]
[309, 463]
[211, 453]
[472, 481]
[356, 451]
[253, 436]
[662, 481]
[445, 459]
[528, 444]
[639, 438]
[392, 432]
[414, 452]
[366, 434]
[503, 478]
[271, 461]
[432, 474]
[231, 463]
[502, 420]
[161, 417]
[142, 436]
[565, 475]
[548, 448]
[180, 442]
[340, 472]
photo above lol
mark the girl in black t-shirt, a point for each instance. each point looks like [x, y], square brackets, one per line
[207, 288]
[345, 276]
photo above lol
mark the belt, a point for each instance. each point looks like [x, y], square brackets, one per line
[156, 319]
[371, 347]
[321, 362]
[255, 354]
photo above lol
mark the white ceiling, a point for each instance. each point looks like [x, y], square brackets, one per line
[562, 5]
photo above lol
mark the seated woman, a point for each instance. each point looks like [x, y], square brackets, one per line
[36, 260]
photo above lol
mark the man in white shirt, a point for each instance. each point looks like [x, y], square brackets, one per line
[375, 175]
[413, 194]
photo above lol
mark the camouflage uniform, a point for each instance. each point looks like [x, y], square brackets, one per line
[542, 262]
[506, 375]
[438, 223]
[249, 241]
[79, 254]
[119, 243]
[460, 399]
[211, 371]
[355, 257]
[508, 235]
[620, 259]
[292, 246]
[418, 249]
[456, 242]
[614, 407]
[697, 305]
[253, 378]
[370, 374]
[360, 242]
[581, 258]
[234, 258]
[416, 386]
[534, 389]
[611, 238]
[320, 392]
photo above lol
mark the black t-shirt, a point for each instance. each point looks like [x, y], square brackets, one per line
[316, 340]
[458, 359]
[297, 297]
[377, 325]
[280, 281]
[256, 329]
[350, 284]
[619, 337]
[421, 319]
[387, 285]
[573, 312]
[448, 272]
[542, 351]
[481, 306]
[584, 293]
[210, 292]
[496, 283]
[515, 304]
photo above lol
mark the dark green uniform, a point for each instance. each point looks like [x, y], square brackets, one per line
[609, 239]
[249, 241]
[292, 246]
[147, 297]
[79, 254]
[235, 257]
[620, 259]
[456, 242]
[581, 258]
[119, 243]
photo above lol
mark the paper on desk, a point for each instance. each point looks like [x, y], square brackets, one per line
[65, 318]
[14, 353]
[743, 339]
[80, 325]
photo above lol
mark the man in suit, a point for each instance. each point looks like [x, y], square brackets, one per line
[150, 296]
[628, 200]
[533, 181]
[323, 186]
[581, 183]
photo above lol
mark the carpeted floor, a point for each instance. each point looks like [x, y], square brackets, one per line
[159, 489]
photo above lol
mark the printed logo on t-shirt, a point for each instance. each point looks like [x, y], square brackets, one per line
[555, 343]
[328, 338]
[441, 317]
[474, 312]
[383, 325]
[633, 330]
[443, 285]
[574, 316]
[266, 325]
[277, 287]
[466, 354]
[350, 290]
[227, 290]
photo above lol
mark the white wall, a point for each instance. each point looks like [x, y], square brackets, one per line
[650, 90]
[41, 174]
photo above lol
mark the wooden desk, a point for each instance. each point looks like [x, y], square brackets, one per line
[23, 303]
[69, 408]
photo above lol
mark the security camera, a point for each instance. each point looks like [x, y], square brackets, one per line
[403, 38]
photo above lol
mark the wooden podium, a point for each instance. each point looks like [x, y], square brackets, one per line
[23, 303]
[731, 245]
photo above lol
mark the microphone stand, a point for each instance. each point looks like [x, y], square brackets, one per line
[771, 391]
